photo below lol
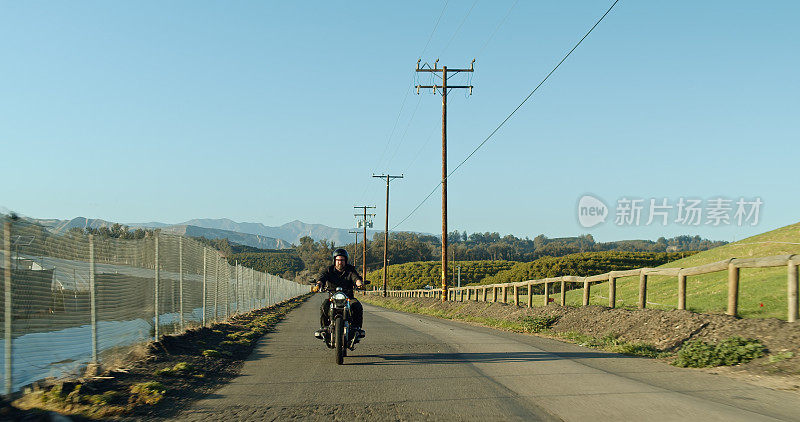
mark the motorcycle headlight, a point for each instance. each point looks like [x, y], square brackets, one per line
[339, 298]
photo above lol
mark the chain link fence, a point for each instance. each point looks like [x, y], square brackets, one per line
[75, 299]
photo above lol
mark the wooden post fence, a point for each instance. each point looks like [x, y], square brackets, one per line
[642, 289]
[530, 294]
[585, 293]
[546, 293]
[681, 291]
[732, 266]
[733, 289]
[612, 291]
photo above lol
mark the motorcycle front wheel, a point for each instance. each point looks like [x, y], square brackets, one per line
[338, 340]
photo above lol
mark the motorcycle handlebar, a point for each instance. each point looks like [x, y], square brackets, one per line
[334, 290]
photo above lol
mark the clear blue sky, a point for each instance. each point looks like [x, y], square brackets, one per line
[274, 111]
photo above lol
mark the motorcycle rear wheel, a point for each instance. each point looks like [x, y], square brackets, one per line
[338, 340]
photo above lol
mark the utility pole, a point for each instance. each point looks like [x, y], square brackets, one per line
[386, 232]
[444, 87]
[366, 220]
[355, 248]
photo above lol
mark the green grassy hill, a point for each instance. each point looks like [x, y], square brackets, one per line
[762, 291]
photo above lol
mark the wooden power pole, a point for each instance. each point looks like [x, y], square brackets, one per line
[366, 220]
[444, 87]
[355, 249]
[386, 232]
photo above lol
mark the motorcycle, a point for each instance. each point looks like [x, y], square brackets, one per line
[340, 335]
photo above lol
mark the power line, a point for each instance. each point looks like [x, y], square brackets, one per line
[512, 113]
[459, 28]
[386, 232]
[491, 35]
[444, 88]
[411, 119]
[366, 220]
[497, 28]
[535, 89]
[434, 29]
[367, 186]
[419, 152]
[403, 137]
[405, 97]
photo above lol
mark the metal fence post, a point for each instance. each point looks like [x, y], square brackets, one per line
[791, 292]
[237, 289]
[180, 280]
[156, 288]
[7, 322]
[216, 290]
[204, 287]
[92, 299]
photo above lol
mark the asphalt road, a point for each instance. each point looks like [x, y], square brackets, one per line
[412, 367]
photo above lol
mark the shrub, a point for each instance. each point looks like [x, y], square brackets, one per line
[780, 357]
[147, 392]
[164, 372]
[536, 324]
[211, 353]
[106, 398]
[183, 367]
[180, 367]
[731, 351]
[736, 350]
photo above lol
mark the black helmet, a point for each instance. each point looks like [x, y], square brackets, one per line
[341, 252]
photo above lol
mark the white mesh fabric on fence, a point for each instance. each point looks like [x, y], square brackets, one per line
[75, 299]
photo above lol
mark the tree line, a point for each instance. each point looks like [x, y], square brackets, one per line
[306, 259]
[421, 274]
[418, 275]
[411, 247]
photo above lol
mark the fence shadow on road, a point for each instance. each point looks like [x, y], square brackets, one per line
[497, 357]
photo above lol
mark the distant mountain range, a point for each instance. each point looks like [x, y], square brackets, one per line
[250, 234]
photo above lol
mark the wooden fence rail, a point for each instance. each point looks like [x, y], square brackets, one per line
[499, 292]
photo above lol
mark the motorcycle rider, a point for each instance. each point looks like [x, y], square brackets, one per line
[341, 274]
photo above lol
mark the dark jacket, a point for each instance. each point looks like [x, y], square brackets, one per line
[345, 279]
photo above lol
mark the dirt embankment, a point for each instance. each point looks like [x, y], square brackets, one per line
[164, 378]
[666, 330]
